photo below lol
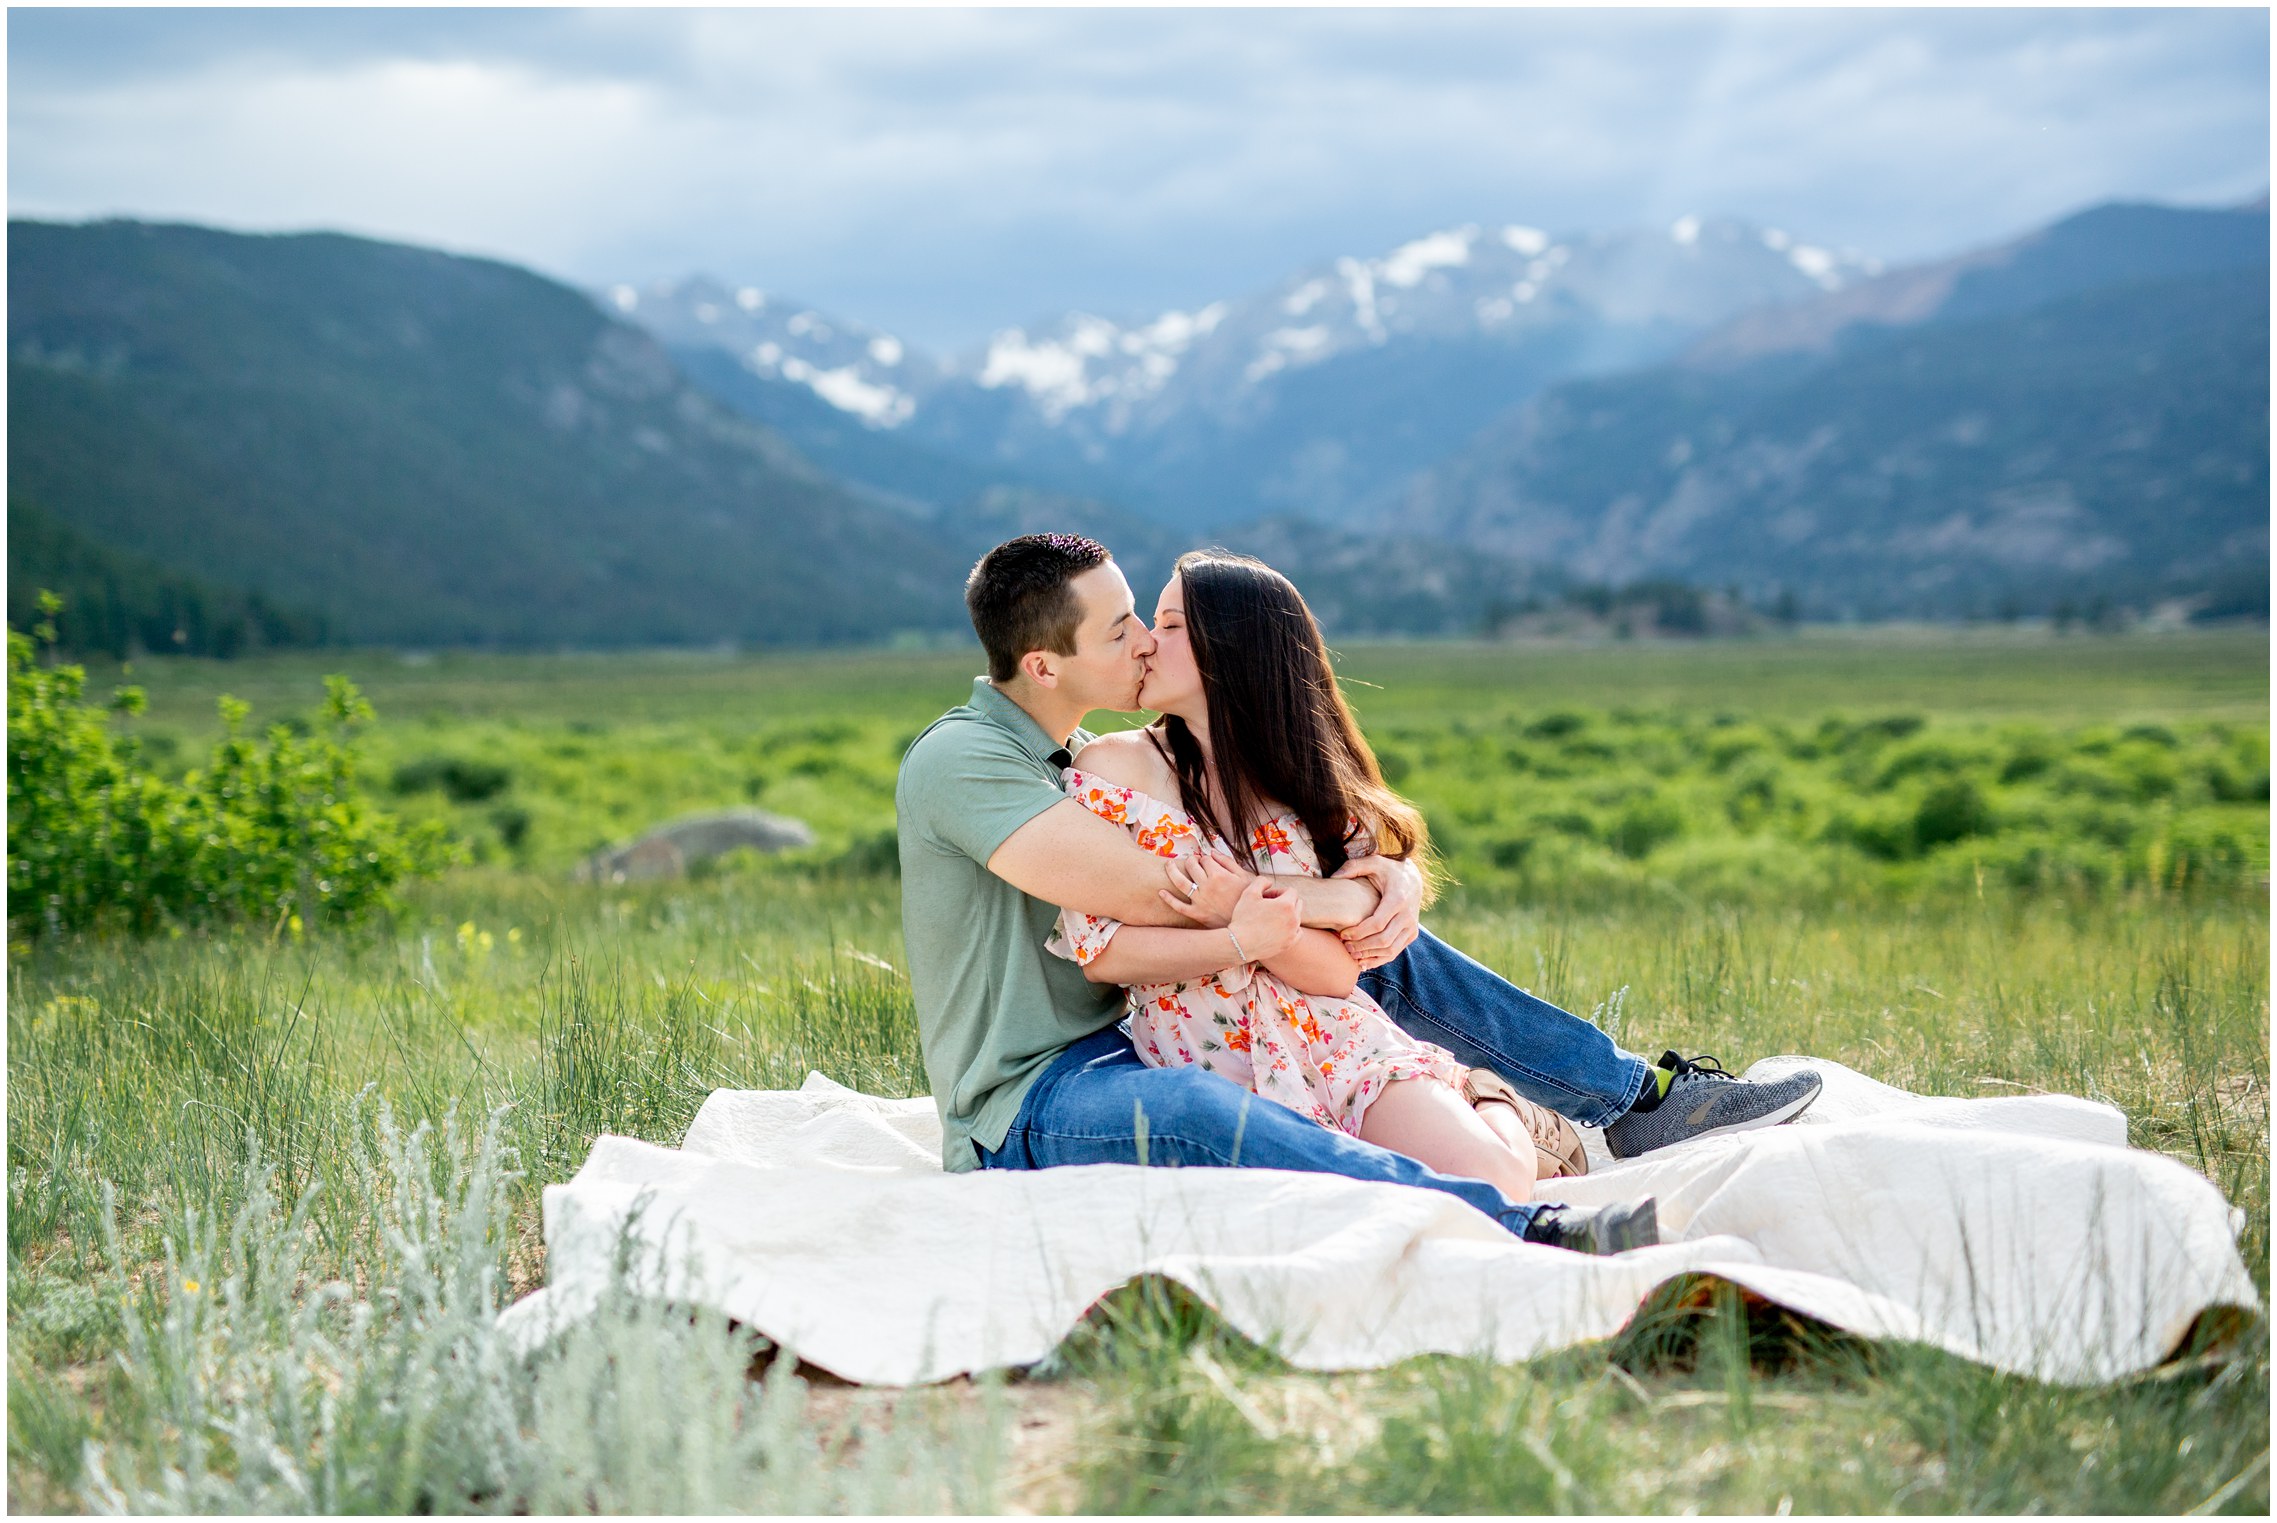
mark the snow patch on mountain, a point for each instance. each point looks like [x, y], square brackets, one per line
[1406, 265]
[1089, 359]
[1284, 345]
[1101, 378]
[867, 374]
[845, 390]
[1521, 239]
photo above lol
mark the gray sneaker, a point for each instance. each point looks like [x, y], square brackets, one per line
[1703, 1101]
[1599, 1230]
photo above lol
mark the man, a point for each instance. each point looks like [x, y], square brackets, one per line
[1022, 1051]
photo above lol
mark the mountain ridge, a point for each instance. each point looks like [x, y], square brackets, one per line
[423, 448]
[2112, 442]
[1207, 417]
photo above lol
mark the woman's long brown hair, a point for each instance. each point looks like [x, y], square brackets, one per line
[1279, 726]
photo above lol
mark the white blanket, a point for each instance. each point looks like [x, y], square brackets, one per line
[2021, 1231]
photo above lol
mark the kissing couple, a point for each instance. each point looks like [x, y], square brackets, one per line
[1198, 943]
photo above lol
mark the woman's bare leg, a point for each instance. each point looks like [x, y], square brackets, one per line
[1504, 1123]
[1430, 1123]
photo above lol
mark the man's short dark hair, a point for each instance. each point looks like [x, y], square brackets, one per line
[1019, 599]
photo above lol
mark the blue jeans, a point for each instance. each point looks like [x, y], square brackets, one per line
[1438, 995]
[1098, 1102]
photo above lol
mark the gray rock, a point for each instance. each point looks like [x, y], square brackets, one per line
[672, 848]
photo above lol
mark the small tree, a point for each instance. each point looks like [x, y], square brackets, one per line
[269, 829]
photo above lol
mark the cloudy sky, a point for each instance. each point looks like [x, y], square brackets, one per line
[944, 173]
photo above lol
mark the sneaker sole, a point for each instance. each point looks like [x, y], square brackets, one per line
[1641, 1230]
[1779, 1117]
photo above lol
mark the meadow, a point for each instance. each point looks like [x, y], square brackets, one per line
[1964, 863]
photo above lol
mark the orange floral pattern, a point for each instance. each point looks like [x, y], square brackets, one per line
[1321, 1057]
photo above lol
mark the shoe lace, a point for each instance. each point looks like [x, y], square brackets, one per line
[1703, 1064]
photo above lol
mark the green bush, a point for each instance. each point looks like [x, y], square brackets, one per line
[1644, 824]
[268, 830]
[465, 781]
[1951, 811]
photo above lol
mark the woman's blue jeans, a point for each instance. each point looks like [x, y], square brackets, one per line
[1098, 1102]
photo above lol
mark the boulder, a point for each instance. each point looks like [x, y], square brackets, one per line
[672, 848]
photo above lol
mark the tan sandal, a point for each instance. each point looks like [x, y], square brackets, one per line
[1557, 1145]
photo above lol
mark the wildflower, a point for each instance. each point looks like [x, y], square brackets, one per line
[191, 1286]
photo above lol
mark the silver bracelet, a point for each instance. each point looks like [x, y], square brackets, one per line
[1236, 940]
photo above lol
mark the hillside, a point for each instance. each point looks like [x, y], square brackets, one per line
[2122, 243]
[118, 604]
[428, 449]
[2108, 444]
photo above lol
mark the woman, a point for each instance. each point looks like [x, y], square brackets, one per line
[1255, 746]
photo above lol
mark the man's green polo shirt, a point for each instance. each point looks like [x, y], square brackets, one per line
[993, 1007]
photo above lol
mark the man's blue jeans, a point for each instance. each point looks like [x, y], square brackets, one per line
[1094, 1101]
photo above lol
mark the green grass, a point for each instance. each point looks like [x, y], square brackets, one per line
[141, 1069]
[1783, 768]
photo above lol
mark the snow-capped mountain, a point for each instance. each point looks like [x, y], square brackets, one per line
[858, 370]
[1459, 283]
[1307, 397]
[2079, 413]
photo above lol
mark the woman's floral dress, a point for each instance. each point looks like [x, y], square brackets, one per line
[1321, 1057]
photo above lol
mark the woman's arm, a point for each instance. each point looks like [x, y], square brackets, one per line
[1203, 888]
[1317, 962]
[1264, 925]
[1154, 954]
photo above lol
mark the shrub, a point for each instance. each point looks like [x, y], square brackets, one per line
[465, 781]
[1929, 756]
[1510, 853]
[1557, 725]
[513, 822]
[2031, 758]
[1644, 824]
[1754, 794]
[1891, 727]
[2235, 783]
[1884, 833]
[1951, 811]
[267, 830]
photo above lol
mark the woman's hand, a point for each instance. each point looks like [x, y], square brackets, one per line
[1207, 886]
[1266, 921]
[1396, 921]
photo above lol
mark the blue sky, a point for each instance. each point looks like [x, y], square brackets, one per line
[945, 173]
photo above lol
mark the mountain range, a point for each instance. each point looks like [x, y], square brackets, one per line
[394, 444]
[2082, 414]
[2076, 414]
[1304, 398]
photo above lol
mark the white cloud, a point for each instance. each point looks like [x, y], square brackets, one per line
[956, 172]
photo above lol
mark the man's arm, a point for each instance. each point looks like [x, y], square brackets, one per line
[1070, 857]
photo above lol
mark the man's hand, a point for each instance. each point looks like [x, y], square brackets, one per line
[1205, 887]
[1386, 933]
